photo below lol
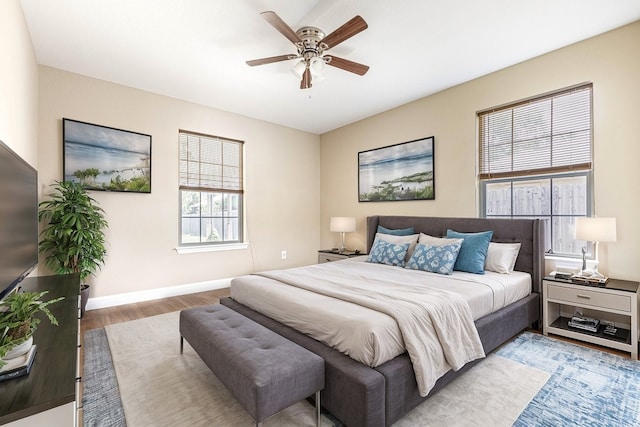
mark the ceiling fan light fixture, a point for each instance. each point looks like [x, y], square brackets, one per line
[311, 43]
[298, 68]
[317, 66]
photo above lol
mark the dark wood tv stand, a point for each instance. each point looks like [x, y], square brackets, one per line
[47, 395]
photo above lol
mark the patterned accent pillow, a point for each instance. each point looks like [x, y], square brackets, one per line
[399, 240]
[435, 258]
[388, 253]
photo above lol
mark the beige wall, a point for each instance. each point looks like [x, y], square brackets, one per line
[611, 61]
[18, 84]
[286, 168]
[282, 185]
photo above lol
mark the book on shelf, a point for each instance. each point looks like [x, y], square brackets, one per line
[584, 323]
[18, 366]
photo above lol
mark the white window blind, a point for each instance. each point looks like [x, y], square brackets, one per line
[211, 190]
[209, 163]
[549, 134]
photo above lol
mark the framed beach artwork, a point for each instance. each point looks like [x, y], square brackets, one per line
[105, 158]
[397, 172]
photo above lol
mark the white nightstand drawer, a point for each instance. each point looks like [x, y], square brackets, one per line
[325, 257]
[591, 298]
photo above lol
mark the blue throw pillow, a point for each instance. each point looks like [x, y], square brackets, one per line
[473, 251]
[397, 232]
[435, 258]
[388, 253]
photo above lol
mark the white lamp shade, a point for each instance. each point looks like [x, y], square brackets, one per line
[298, 68]
[596, 229]
[316, 66]
[345, 224]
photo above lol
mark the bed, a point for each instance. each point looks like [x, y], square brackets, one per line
[363, 392]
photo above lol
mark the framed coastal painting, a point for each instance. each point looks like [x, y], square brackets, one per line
[105, 158]
[397, 172]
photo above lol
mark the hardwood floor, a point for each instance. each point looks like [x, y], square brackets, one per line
[100, 318]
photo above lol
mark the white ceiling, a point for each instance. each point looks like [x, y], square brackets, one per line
[196, 50]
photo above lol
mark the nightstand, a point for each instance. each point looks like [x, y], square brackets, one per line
[616, 302]
[328, 255]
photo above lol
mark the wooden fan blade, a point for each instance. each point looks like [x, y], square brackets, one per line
[277, 23]
[305, 83]
[269, 60]
[348, 30]
[345, 64]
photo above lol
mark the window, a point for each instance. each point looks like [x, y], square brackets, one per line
[211, 190]
[535, 161]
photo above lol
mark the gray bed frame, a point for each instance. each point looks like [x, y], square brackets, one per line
[362, 396]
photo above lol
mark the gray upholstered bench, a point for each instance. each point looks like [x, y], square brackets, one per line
[263, 370]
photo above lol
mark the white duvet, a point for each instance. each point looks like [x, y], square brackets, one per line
[384, 310]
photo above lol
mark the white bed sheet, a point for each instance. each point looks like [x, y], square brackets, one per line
[369, 336]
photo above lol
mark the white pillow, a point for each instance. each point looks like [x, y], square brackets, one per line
[501, 257]
[426, 239]
[412, 240]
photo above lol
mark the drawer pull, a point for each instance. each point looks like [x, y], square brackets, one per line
[583, 296]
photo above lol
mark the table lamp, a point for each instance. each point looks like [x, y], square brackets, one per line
[594, 229]
[342, 225]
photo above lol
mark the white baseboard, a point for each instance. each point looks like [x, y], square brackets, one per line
[152, 294]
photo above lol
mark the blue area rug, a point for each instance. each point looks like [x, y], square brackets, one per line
[587, 387]
[101, 397]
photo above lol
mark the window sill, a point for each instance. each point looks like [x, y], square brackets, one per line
[568, 262]
[211, 248]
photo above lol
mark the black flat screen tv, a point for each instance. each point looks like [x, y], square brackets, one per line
[18, 219]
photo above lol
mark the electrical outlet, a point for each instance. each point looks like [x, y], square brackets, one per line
[284, 254]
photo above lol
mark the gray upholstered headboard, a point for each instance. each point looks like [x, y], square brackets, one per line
[529, 232]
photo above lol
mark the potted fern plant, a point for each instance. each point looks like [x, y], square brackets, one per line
[72, 239]
[18, 321]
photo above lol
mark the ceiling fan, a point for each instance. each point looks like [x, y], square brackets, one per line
[311, 44]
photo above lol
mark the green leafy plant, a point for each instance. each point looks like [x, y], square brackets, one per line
[17, 318]
[73, 239]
